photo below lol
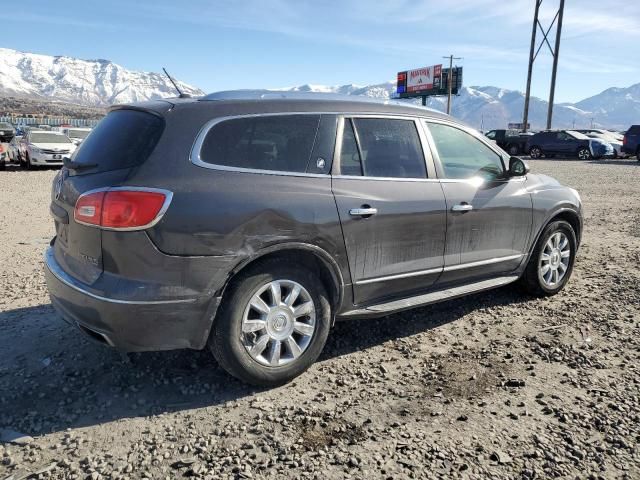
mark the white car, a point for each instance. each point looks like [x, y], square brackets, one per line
[613, 138]
[40, 147]
[76, 134]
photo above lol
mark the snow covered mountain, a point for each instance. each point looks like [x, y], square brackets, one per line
[493, 107]
[102, 83]
[86, 82]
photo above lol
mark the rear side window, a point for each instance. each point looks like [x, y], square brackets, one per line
[387, 148]
[122, 139]
[277, 143]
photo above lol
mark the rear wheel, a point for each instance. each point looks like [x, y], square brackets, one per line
[551, 263]
[584, 153]
[535, 152]
[638, 155]
[272, 325]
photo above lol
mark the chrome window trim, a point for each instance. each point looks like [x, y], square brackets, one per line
[195, 159]
[460, 266]
[56, 271]
[165, 206]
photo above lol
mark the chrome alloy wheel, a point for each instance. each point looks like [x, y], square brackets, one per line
[278, 323]
[554, 259]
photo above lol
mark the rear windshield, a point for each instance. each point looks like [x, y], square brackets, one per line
[122, 139]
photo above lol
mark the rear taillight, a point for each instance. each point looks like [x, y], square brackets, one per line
[624, 140]
[122, 208]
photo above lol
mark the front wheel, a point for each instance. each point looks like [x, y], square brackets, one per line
[552, 260]
[584, 154]
[272, 325]
[535, 152]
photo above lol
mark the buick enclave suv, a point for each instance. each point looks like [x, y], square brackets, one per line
[249, 222]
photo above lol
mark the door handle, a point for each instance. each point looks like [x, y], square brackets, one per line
[365, 211]
[462, 207]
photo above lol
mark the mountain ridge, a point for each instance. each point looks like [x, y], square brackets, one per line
[100, 83]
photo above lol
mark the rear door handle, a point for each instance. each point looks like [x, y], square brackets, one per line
[363, 212]
[462, 207]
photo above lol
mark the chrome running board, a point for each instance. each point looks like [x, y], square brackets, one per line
[382, 309]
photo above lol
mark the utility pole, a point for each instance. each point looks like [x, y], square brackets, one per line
[555, 64]
[533, 54]
[450, 80]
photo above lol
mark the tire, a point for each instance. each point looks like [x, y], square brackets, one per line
[514, 150]
[27, 163]
[535, 152]
[638, 155]
[534, 278]
[584, 154]
[229, 344]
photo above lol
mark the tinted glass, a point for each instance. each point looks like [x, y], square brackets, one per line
[122, 139]
[280, 143]
[6, 126]
[78, 133]
[390, 148]
[491, 134]
[350, 163]
[464, 156]
[43, 137]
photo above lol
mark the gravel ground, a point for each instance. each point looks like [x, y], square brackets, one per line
[497, 385]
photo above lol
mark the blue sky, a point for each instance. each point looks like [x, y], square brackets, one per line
[224, 44]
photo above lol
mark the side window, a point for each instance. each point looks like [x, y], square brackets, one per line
[350, 163]
[390, 148]
[563, 136]
[463, 156]
[278, 143]
[491, 134]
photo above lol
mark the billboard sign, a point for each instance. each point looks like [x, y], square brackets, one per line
[428, 81]
[426, 78]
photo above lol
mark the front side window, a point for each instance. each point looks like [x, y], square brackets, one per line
[387, 148]
[463, 156]
[279, 143]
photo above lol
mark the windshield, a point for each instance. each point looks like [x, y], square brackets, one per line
[82, 134]
[44, 137]
[6, 126]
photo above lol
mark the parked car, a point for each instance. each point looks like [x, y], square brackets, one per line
[631, 141]
[39, 148]
[7, 132]
[511, 141]
[248, 223]
[76, 134]
[13, 150]
[615, 139]
[568, 143]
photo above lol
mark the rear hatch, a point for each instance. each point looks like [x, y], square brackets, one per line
[123, 140]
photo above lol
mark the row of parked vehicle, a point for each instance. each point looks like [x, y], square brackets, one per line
[582, 143]
[38, 146]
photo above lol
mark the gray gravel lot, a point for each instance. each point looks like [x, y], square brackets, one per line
[497, 385]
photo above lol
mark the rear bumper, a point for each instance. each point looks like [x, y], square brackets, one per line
[129, 325]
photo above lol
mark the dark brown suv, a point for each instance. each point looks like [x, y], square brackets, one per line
[250, 222]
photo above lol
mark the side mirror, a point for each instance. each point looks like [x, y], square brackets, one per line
[518, 167]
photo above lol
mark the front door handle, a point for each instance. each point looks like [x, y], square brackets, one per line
[363, 212]
[462, 207]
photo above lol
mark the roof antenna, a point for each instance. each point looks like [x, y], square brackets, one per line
[180, 94]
